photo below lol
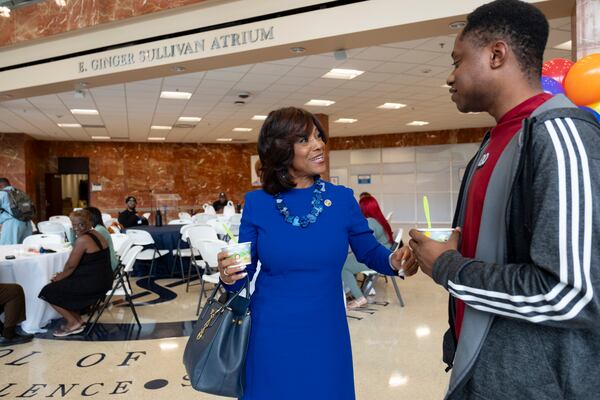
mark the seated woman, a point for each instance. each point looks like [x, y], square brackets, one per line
[87, 276]
[101, 229]
[382, 232]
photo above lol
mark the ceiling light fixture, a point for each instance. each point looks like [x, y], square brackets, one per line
[457, 24]
[190, 119]
[259, 117]
[418, 123]
[391, 106]
[340, 73]
[178, 69]
[242, 129]
[84, 111]
[224, 139]
[319, 103]
[564, 46]
[156, 139]
[345, 120]
[446, 86]
[297, 49]
[101, 137]
[65, 125]
[175, 95]
[160, 127]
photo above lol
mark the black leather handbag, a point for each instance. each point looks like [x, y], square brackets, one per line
[215, 354]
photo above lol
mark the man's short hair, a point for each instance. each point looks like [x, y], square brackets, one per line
[4, 181]
[130, 198]
[521, 25]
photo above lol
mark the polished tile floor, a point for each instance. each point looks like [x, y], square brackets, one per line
[397, 351]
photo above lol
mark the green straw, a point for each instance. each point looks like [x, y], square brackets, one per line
[230, 234]
[426, 209]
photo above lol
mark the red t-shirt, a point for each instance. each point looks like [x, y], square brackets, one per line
[500, 136]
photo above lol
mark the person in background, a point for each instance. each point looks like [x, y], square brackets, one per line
[12, 304]
[523, 270]
[13, 230]
[382, 232]
[220, 203]
[99, 227]
[86, 277]
[129, 218]
[300, 227]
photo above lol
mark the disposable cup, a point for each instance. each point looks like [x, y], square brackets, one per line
[240, 252]
[437, 234]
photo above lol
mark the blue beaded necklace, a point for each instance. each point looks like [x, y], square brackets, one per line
[311, 217]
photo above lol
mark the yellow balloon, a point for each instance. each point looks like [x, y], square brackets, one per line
[595, 107]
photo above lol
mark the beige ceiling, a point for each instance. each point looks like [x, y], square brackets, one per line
[410, 72]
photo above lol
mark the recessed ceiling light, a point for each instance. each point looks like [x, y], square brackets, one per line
[190, 119]
[259, 117]
[417, 123]
[178, 69]
[297, 49]
[100, 137]
[175, 95]
[224, 139]
[242, 129]
[156, 139]
[160, 127]
[457, 24]
[391, 106]
[564, 46]
[319, 103]
[345, 120]
[446, 86]
[339, 73]
[84, 111]
[69, 125]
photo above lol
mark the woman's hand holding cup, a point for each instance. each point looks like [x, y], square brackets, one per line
[229, 269]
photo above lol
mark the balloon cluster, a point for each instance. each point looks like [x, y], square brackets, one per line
[579, 81]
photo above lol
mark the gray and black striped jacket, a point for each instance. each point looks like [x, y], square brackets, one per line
[531, 328]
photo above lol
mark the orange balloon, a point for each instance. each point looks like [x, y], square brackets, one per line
[595, 107]
[582, 83]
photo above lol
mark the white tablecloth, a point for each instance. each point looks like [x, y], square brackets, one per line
[32, 272]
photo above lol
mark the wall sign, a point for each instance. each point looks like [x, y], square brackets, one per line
[364, 179]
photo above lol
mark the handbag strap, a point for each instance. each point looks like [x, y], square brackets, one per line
[230, 299]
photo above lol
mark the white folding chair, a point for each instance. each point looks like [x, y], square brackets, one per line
[121, 287]
[388, 217]
[208, 209]
[180, 222]
[193, 234]
[184, 215]
[43, 240]
[179, 253]
[143, 238]
[121, 243]
[52, 228]
[202, 218]
[146, 215]
[208, 249]
[107, 219]
[234, 224]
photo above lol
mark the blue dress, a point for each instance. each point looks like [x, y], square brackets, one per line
[299, 342]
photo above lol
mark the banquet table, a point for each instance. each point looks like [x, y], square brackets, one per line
[32, 271]
[166, 237]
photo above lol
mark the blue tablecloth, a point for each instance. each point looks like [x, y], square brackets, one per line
[166, 237]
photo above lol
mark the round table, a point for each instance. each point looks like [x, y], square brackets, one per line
[32, 271]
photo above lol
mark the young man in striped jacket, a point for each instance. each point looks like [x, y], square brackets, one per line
[523, 269]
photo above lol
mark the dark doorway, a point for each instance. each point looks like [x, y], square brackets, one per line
[69, 188]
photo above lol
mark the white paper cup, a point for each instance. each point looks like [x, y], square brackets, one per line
[437, 234]
[241, 250]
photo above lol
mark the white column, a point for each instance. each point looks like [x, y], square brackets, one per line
[587, 27]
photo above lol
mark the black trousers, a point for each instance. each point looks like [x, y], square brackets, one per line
[12, 303]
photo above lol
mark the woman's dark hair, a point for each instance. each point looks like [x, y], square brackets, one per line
[83, 214]
[96, 216]
[280, 131]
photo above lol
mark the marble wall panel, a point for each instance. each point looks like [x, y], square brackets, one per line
[408, 139]
[12, 158]
[47, 18]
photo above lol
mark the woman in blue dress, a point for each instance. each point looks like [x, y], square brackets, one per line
[300, 227]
